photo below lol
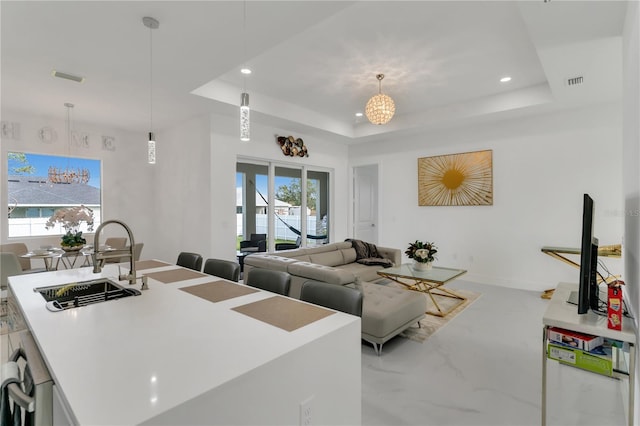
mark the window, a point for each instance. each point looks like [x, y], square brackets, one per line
[300, 198]
[288, 204]
[37, 185]
[318, 206]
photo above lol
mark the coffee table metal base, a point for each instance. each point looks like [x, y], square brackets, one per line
[430, 283]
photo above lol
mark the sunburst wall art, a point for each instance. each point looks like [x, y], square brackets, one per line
[456, 180]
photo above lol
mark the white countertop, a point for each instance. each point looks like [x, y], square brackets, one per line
[128, 360]
[561, 314]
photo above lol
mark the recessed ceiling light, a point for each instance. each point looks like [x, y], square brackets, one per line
[359, 114]
[505, 79]
[245, 71]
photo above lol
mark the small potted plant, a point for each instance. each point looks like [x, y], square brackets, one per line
[71, 218]
[423, 254]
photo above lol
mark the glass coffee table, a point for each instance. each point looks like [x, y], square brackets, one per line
[430, 282]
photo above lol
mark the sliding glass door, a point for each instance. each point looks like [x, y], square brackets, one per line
[317, 207]
[288, 203]
[251, 200]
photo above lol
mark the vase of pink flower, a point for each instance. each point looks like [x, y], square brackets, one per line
[71, 218]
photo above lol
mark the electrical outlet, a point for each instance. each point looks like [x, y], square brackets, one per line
[306, 412]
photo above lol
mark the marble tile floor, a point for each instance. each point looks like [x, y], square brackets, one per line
[484, 368]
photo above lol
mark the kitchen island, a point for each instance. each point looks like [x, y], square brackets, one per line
[169, 356]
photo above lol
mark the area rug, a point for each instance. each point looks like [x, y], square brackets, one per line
[431, 324]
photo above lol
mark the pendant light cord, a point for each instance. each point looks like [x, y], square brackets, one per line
[244, 43]
[68, 129]
[69, 136]
[151, 79]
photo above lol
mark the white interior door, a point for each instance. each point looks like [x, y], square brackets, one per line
[365, 190]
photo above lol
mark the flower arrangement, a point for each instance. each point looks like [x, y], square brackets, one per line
[422, 252]
[71, 218]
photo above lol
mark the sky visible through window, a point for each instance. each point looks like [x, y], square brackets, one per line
[41, 164]
[261, 182]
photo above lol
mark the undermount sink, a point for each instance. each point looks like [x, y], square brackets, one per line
[83, 293]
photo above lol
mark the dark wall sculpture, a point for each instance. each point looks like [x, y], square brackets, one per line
[292, 147]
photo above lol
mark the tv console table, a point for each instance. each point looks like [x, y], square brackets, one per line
[561, 314]
[614, 250]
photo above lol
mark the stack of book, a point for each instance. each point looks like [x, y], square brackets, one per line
[592, 353]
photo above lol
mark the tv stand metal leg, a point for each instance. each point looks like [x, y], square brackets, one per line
[544, 376]
[632, 382]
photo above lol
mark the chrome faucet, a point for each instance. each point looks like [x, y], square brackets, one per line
[100, 256]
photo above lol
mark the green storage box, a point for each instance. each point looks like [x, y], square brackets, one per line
[596, 363]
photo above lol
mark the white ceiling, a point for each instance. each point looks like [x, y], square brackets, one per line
[314, 62]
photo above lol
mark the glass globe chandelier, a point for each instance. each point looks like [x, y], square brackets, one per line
[380, 108]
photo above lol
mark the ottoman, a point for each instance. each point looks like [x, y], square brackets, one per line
[387, 311]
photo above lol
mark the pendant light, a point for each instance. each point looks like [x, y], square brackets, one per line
[380, 108]
[152, 24]
[68, 175]
[245, 120]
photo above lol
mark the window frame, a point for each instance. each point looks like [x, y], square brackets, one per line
[271, 219]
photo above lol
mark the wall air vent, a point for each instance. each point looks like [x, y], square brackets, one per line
[575, 81]
[67, 76]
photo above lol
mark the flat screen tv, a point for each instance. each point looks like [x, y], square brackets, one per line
[588, 291]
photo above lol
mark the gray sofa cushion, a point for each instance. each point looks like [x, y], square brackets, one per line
[301, 257]
[329, 258]
[349, 255]
[387, 311]
[342, 257]
[317, 272]
[269, 261]
[363, 272]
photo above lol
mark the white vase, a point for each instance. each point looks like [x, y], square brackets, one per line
[420, 266]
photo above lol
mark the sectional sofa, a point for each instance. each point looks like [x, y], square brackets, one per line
[386, 311]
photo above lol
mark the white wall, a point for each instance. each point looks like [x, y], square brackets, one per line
[126, 177]
[631, 173]
[181, 214]
[541, 167]
[227, 148]
[195, 202]
[186, 201]
[631, 151]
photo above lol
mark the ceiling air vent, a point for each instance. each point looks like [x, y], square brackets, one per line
[67, 76]
[575, 81]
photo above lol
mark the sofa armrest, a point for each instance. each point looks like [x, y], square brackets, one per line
[393, 254]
